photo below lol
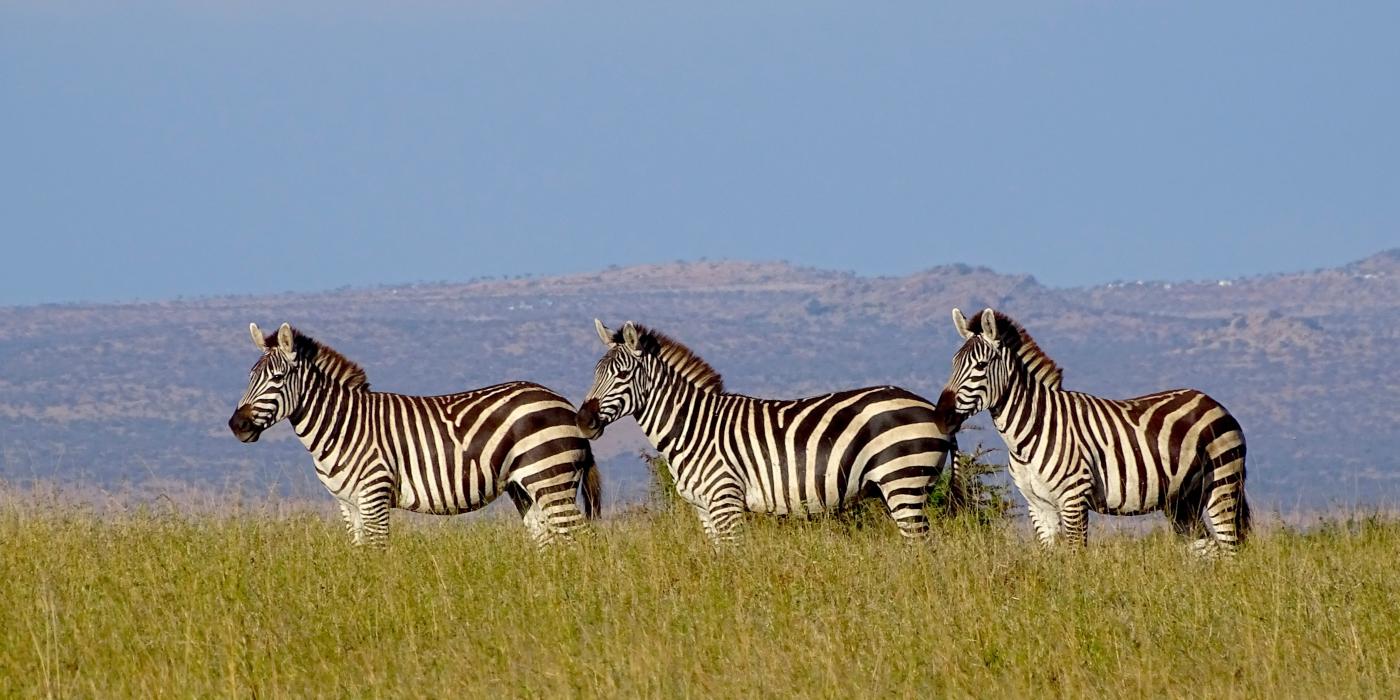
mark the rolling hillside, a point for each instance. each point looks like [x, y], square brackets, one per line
[103, 398]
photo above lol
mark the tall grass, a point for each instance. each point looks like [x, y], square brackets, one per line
[249, 604]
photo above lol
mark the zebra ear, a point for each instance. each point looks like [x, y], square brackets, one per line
[989, 326]
[960, 323]
[259, 341]
[631, 337]
[286, 341]
[604, 334]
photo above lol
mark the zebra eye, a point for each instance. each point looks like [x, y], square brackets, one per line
[980, 366]
[279, 376]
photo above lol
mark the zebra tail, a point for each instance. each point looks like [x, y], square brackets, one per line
[1243, 518]
[591, 485]
[957, 490]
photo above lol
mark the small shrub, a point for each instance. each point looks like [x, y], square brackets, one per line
[662, 490]
[981, 500]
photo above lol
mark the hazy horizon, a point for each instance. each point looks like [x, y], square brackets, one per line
[642, 264]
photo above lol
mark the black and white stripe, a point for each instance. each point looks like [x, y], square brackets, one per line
[1070, 452]
[731, 453]
[428, 454]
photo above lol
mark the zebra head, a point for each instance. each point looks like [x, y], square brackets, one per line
[981, 369]
[273, 385]
[620, 381]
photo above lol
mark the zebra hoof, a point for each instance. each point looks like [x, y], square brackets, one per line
[1205, 548]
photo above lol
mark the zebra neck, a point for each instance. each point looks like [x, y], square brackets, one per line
[674, 413]
[328, 418]
[1017, 415]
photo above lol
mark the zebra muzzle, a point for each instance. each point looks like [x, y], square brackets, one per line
[243, 426]
[588, 421]
[946, 413]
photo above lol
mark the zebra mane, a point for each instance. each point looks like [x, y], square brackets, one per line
[1031, 357]
[324, 357]
[676, 355]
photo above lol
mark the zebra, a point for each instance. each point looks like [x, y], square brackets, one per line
[426, 454]
[1178, 451]
[730, 453]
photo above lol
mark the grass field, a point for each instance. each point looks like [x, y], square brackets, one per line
[256, 605]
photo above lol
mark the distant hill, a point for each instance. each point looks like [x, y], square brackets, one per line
[101, 397]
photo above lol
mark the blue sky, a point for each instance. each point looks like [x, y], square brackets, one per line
[149, 150]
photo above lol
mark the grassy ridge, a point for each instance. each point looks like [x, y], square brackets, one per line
[245, 604]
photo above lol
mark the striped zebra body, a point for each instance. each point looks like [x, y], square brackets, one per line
[441, 455]
[731, 453]
[1178, 451]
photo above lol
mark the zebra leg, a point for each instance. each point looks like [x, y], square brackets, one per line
[557, 517]
[531, 516]
[721, 516]
[1226, 509]
[559, 501]
[904, 501]
[1044, 513]
[1184, 512]
[1074, 516]
[724, 517]
[702, 513]
[1045, 518]
[535, 522]
[1228, 514]
[351, 515]
[374, 518]
[548, 505]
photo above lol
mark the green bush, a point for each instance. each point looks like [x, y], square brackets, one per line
[983, 499]
[661, 492]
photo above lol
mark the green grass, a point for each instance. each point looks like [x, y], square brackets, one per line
[180, 605]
